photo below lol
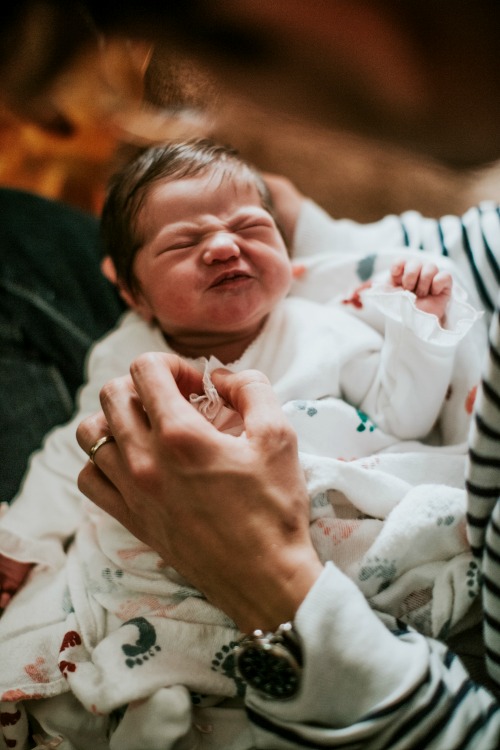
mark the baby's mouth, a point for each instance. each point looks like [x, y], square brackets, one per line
[229, 278]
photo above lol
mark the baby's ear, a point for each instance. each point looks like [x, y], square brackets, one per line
[108, 269]
[134, 301]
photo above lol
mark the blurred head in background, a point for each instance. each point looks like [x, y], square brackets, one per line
[422, 75]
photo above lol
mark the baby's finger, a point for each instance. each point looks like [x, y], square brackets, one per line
[442, 283]
[396, 272]
[427, 274]
[411, 275]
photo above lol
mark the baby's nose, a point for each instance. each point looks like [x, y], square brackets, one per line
[219, 247]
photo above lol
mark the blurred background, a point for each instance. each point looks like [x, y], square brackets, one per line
[153, 90]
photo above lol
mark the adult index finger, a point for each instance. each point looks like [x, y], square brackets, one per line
[187, 379]
[164, 383]
[174, 378]
[158, 384]
[251, 395]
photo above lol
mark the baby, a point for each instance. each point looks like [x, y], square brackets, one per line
[194, 247]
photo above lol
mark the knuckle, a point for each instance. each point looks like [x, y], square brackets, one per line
[108, 390]
[250, 382]
[143, 473]
[250, 378]
[139, 364]
[171, 431]
[144, 361]
[83, 432]
[183, 447]
[281, 437]
[429, 270]
[87, 429]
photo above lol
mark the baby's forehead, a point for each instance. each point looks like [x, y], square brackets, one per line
[180, 200]
[233, 185]
[237, 175]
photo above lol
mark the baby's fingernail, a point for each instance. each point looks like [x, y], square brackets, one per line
[298, 270]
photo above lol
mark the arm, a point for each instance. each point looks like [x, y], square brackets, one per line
[472, 241]
[46, 512]
[431, 287]
[403, 389]
[483, 493]
[47, 509]
[367, 684]
[361, 681]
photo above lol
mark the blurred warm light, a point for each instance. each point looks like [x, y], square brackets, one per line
[102, 95]
[73, 169]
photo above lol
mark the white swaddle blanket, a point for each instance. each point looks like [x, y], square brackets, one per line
[140, 649]
[117, 628]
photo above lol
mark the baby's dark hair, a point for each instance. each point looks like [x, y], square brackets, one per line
[128, 188]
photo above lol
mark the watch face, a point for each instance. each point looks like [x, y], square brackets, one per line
[271, 669]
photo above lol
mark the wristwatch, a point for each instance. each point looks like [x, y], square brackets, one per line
[271, 663]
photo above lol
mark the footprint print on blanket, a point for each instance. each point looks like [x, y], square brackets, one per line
[366, 422]
[473, 580]
[145, 646]
[378, 568]
[224, 662]
[8, 728]
[366, 267]
[305, 406]
[72, 639]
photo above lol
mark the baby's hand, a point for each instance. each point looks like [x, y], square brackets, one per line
[431, 286]
[12, 575]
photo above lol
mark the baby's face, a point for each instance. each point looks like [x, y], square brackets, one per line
[213, 260]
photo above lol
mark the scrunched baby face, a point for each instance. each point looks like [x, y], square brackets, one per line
[213, 262]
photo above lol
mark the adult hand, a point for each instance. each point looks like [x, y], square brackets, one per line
[231, 514]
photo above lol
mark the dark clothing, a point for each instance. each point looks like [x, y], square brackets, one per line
[54, 303]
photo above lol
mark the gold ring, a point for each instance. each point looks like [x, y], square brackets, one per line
[97, 445]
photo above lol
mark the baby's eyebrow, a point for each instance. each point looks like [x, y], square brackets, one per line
[180, 228]
[252, 212]
[204, 223]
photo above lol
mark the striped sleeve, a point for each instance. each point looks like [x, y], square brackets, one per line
[483, 495]
[445, 710]
[371, 683]
[491, 594]
[483, 465]
[472, 241]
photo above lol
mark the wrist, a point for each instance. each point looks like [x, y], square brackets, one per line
[278, 591]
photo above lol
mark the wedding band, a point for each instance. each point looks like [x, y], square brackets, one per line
[97, 445]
